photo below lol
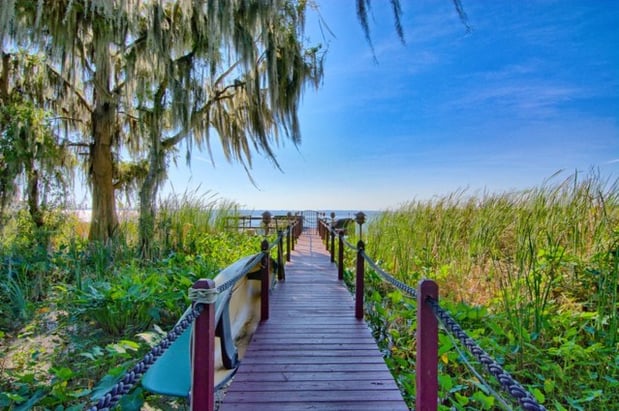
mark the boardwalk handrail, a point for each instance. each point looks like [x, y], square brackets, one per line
[276, 222]
[209, 315]
[428, 312]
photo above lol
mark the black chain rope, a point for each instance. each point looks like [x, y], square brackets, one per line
[337, 234]
[251, 263]
[509, 385]
[390, 279]
[348, 244]
[230, 283]
[111, 398]
[276, 241]
[344, 240]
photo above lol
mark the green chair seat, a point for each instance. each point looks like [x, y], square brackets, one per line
[171, 373]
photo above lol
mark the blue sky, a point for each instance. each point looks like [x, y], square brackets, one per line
[531, 90]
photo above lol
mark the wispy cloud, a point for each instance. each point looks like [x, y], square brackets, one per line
[430, 24]
[532, 99]
[512, 71]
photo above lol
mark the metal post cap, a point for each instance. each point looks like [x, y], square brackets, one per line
[360, 217]
[266, 217]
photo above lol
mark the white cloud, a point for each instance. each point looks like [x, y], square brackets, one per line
[528, 99]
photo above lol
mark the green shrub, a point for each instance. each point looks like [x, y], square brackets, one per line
[129, 301]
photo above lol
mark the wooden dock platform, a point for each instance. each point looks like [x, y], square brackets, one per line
[312, 353]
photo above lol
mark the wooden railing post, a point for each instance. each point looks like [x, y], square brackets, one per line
[359, 281]
[281, 275]
[332, 244]
[326, 235]
[331, 233]
[340, 259]
[203, 355]
[288, 241]
[266, 221]
[264, 285]
[427, 348]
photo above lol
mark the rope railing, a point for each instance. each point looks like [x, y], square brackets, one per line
[429, 311]
[255, 259]
[121, 388]
[389, 278]
[508, 383]
[204, 294]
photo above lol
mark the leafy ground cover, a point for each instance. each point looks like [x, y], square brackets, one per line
[75, 316]
[532, 276]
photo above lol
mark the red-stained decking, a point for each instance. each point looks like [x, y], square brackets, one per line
[312, 354]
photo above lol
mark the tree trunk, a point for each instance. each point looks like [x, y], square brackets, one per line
[104, 221]
[34, 207]
[148, 194]
[156, 174]
[4, 78]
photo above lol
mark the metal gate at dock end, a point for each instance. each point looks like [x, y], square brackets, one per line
[310, 220]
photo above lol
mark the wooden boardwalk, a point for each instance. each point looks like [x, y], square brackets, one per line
[312, 354]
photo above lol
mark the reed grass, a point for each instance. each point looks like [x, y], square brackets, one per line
[541, 241]
[543, 263]
[183, 218]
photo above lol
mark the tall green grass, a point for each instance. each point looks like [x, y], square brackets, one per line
[183, 218]
[546, 244]
[543, 263]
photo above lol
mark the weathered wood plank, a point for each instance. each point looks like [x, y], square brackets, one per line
[317, 385]
[375, 405]
[312, 354]
[304, 346]
[279, 368]
[299, 359]
[282, 395]
[283, 376]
